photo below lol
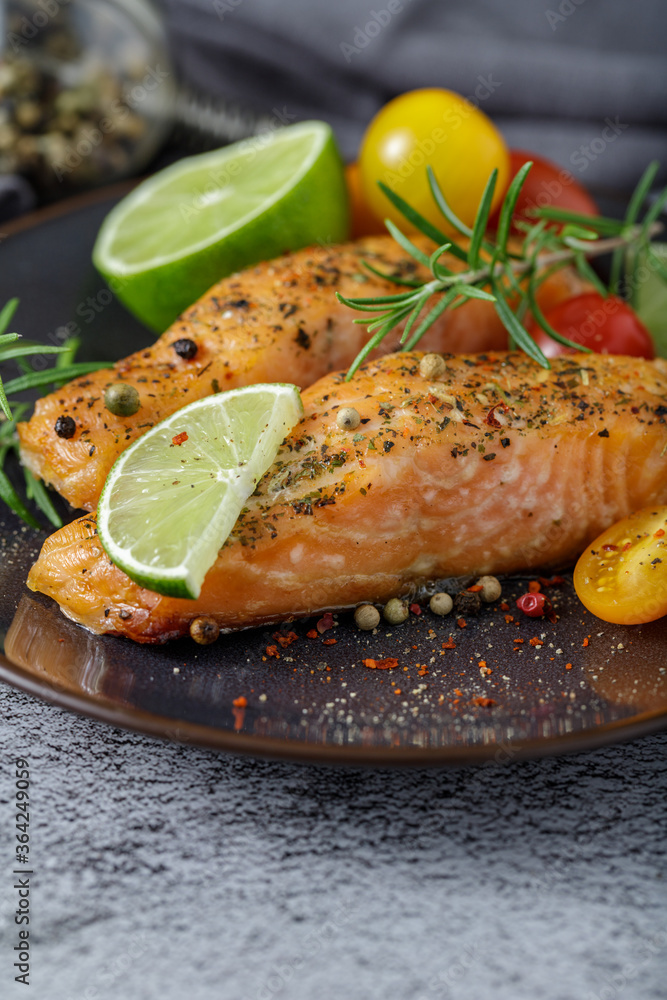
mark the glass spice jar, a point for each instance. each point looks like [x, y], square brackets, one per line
[86, 91]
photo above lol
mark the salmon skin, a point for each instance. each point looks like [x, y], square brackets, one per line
[496, 466]
[277, 322]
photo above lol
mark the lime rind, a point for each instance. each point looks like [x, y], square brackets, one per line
[166, 508]
[284, 143]
[180, 262]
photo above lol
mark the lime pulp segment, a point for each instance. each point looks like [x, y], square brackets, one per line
[172, 498]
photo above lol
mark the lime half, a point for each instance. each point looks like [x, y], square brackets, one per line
[206, 216]
[171, 499]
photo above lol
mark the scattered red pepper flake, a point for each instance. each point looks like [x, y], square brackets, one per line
[628, 545]
[475, 589]
[553, 582]
[240, 702]
[509, 618]
[568, 666]
[273, 651]
[504, 606]
[585, 642]
[313, 634]
[329, 642]
[325, 623]
[534, 587]
[415, 609]
[450, 644]
[285, 640]
[461, 622]
[659, 533]
[179, 438]
[387, 664]
[397, 691]
[536, 642]
[518, 640]
[491, 418]
[482, 663]
[239, 718]
[483, 702]
[423, 670]
[459, 692]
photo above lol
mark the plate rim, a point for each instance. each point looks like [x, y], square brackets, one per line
[226, 741]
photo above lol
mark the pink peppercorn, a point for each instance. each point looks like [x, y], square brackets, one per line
[533, 605]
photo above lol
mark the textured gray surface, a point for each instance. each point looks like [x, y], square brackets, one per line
[171, 872]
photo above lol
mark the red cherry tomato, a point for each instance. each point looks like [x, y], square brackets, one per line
[546, 184]
[607, 326]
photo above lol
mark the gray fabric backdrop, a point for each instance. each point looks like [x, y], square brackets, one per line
[550, 72]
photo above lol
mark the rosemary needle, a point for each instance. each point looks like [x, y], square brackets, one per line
[13, 411]
[509, 278]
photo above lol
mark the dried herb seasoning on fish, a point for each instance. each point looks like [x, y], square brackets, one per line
[248, 346]
[424, 514]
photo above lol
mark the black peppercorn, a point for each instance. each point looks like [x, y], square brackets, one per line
[65, 427]
[185, 348]
[467, 602]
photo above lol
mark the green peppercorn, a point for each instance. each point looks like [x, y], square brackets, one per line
[121, 399]
[348, 418]
[395, 611]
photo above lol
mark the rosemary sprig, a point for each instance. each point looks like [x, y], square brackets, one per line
[508, 277]
[13, 411]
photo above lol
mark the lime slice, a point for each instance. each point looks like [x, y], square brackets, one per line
[650, 296]
[171, 499]
[206, 216]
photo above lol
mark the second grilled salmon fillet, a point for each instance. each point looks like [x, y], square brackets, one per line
[498, 465]
[277, 322]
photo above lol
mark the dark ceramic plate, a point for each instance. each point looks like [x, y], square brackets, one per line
[587, 684]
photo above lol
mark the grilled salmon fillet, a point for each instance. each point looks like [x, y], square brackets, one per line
[277, 322]
[497, 465]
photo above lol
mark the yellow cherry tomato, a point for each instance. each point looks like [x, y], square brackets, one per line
[439, 128]
[622, 576]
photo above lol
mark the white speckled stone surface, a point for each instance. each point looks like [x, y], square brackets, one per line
[171, 872]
